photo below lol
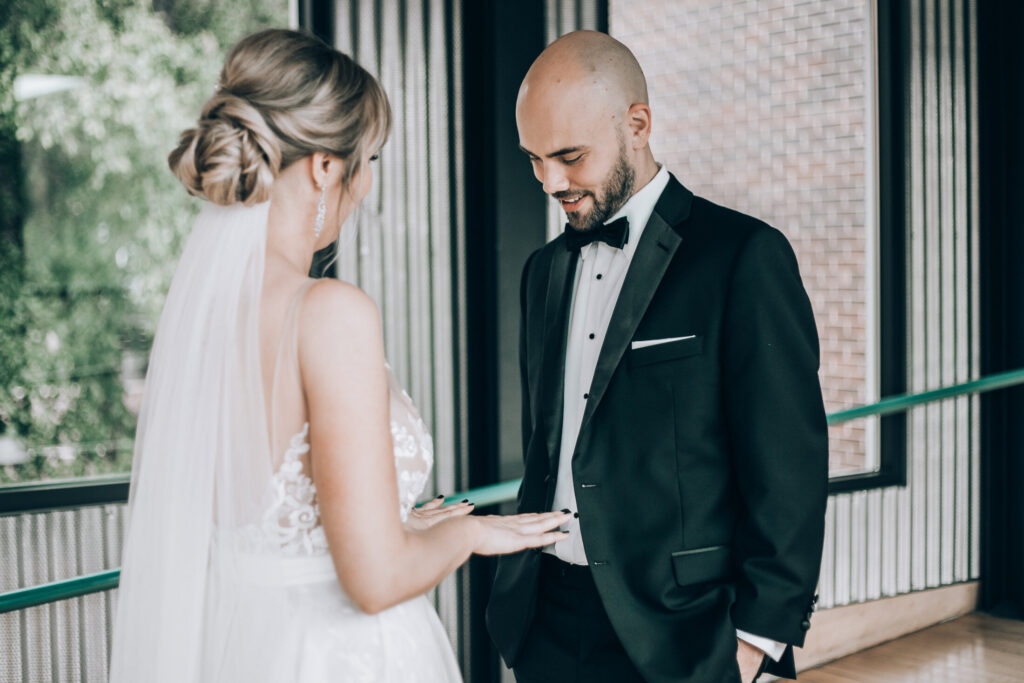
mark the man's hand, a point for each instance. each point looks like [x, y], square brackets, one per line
[749, 659]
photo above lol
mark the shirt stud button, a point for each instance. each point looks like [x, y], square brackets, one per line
[586, 396]
[599, 276]
[591, 335]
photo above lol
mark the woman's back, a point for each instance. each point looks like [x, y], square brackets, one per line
[293, 513]
[284, 400]
[323, 635]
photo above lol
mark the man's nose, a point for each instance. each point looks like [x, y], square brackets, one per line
[553, 179]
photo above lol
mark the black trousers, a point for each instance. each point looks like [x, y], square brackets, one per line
[571, 639]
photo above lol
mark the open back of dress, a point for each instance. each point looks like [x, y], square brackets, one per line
[226, 571]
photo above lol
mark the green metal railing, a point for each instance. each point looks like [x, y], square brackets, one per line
[903, 402]
[59, 590]
[506, 491]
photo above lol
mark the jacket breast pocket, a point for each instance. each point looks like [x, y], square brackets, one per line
[702, 564]
[657, 353]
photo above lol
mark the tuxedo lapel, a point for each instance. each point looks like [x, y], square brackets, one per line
[557, 306]
[657, 246]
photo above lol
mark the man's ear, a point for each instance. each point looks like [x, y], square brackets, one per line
[638, 119]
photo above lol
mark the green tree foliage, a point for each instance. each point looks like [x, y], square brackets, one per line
[22, 26]
[105, 218]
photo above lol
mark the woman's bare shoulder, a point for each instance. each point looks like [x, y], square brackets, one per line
[337, 317]
[332, 298]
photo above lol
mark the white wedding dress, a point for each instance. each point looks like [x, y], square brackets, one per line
[328, 638]
[226, 575]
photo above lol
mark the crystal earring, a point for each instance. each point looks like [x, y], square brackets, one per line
[321, 212]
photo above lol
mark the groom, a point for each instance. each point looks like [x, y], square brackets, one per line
[669, 365]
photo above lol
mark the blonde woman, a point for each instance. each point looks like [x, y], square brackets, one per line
[272, 534]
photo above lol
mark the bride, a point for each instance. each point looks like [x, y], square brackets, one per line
[272, 529]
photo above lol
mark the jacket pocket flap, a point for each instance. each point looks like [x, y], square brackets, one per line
[702, 564]
[668, 351]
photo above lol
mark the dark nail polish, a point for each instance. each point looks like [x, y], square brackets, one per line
[441, 496]
[465, 500]
[564, 532]
[566, 510]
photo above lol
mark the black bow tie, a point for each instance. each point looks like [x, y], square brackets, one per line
[614, 234]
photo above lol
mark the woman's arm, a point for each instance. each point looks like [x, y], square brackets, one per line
[379, 562]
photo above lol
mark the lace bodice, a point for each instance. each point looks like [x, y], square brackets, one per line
[291, 524]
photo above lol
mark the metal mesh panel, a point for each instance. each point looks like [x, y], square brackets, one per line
[67, 641]
[400, 248]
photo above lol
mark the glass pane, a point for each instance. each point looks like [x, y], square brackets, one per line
[762, 107]
[103, 90]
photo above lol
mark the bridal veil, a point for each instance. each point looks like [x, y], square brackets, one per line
[200, 474]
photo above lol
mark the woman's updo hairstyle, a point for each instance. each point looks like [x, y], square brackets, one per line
[282, 96]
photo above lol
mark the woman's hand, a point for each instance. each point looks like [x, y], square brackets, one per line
[502, 534]
[430, 513]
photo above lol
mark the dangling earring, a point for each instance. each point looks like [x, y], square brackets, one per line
[321, 212]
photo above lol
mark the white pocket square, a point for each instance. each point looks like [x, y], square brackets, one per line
[654, 342]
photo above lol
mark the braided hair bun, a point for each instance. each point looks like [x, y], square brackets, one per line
[232, 155]
[283, 95]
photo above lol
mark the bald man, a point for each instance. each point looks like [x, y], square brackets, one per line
[669, 362]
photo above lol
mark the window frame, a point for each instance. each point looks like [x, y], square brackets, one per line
[317, 17]
[890, 24]
[64, 493]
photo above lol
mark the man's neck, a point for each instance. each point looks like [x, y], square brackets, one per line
[645, 172]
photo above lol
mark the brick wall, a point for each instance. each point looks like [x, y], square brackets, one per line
[760, 105]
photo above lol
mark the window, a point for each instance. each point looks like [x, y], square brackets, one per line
[101, 91]
[889, 466]
[769, 108]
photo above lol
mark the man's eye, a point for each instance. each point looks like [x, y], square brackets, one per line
[573, 160]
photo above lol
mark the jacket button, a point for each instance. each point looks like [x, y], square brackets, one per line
[805, 624]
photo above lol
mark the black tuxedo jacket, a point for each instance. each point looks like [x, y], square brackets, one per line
[701, 467]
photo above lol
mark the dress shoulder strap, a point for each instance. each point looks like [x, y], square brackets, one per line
[287, 383]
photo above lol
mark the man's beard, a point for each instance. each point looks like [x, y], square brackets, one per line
[616, 189]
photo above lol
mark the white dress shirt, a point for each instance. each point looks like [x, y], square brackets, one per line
[600, 272]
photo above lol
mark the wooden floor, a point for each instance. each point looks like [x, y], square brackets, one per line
[976, 648]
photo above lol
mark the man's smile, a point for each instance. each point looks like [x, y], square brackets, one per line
[571, 202]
